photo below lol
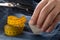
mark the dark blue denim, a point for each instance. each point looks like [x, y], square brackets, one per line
[27, 33]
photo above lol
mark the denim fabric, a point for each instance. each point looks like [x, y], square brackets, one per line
[3, 15]
[27, 33]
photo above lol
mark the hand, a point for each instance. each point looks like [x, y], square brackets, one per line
[46, 15]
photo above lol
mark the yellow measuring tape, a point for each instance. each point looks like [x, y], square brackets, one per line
[14, 25]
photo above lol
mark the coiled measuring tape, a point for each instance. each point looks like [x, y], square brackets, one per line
[14, 25]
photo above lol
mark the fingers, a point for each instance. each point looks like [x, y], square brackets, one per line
[50, 19]
[57, 19]
[36, 12]
[44, 12]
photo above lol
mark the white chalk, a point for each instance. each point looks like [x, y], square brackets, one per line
[34, 29]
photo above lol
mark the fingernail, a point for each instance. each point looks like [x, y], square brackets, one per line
[31, 22]
[39, 26]
[48, 31]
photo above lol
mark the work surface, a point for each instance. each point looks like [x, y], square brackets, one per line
[27, 34]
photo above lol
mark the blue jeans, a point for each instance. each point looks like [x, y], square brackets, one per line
[27, 34]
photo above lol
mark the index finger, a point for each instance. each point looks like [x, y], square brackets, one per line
[37, 11]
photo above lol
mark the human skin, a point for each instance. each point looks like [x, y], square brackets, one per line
[46, 15]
